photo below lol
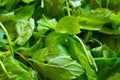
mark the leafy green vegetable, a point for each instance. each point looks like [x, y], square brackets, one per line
[55, 38]
[17, 70]
[24, 29]
[68, 25]
[52, 62]
[7, 17]
[9, 4]
[28, 1]
[77, 53]
[59, 39]
[25, 12]
[110, 66]
[114, 77]
[44, 25]
[95, 19]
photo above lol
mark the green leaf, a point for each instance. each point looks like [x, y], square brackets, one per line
[76, 51]
[101, 50]
[68, 24]
[114, 5]
[115, 18]
[116, 76]
[96, 3]
[24, 29]
[110, 66]
[8, 4]
[94, 19]
[7, 17]
[111, 4]
[28, 1]
[31, 49]
[112, 28]
[107, 52]
[45, 25]
[55, 62]
[113, 32]
[54, 8]
[25, 12]
[55, 38]
[17, 70]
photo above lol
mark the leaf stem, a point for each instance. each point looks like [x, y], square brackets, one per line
[36, 63]
[107, 5]
[4, 69]
[85, 50]
[100, 4]
[8, 38]
[25, 59]
[105, 59]
[3, 53]
[68, 9]
[28, 62]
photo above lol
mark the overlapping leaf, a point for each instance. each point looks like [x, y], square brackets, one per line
[16, 70]
[24, 29]
[68, 24]
[56, 65]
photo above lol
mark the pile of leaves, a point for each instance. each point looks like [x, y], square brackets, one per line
[59, 39]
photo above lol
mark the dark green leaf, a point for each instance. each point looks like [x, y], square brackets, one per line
[8, 4]
[110, 66]
[24, 12]
[114, 5]
[54, 8]
[116, 76]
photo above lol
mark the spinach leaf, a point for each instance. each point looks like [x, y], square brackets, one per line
[25, 29]
[7, 17]
[68, 24]
[54, 8]
[17, 70]
[76, 52]
[111, 4]
[59, 39]
[44, 25]
[114, 5]
[28, 1]
[94, 19]
[8, 4]
[113, 29]
[115, 76]
[55, 38]
[25, 12]
[107, 65]
[56, 65]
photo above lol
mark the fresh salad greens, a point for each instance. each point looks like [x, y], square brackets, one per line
[59, 39]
